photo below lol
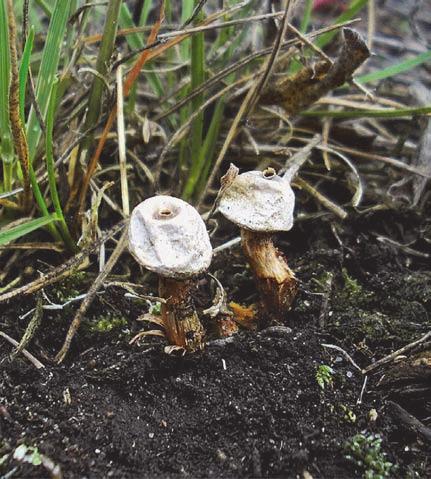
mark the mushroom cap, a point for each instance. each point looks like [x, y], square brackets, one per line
[168, 236]
[259, 201]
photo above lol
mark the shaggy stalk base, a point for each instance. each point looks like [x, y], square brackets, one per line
[275, 281]
[181, 322]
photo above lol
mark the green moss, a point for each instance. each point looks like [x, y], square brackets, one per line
[107, 323]
[324, 376]
[351, 285]
[347, 414]
[155, 308]
[374, 325]
[70, 287]
[324, 280]
[365, 451]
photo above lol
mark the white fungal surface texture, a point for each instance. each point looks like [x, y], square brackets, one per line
[168, 236]
[259, 201]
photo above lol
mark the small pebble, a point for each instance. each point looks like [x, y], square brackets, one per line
[221, 456]
[372, 415]
[277, 331]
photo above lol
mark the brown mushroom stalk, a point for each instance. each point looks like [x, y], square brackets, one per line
[168, 236]
[180, 319]
[275, 281]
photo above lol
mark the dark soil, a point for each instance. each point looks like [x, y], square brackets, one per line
[248, 407]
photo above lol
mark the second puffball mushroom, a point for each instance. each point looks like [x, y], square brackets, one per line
[167, 236]
[261, 203]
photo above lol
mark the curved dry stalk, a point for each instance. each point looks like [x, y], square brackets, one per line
[36, 363]
[357, 197]
[390, 357]
[326, 202]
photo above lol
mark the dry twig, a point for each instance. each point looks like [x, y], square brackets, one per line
[36, 363]
[390, 357]
[90, 296]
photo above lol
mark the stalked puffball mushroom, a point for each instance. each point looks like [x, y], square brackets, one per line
[261, 203]
[167, 236]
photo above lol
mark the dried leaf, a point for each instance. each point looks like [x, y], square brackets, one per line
[173, 349]
[152, 332]
[219, 302]
[229, 177]
[245, 316]
[151, 318]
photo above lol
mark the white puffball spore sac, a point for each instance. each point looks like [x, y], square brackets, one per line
[168, 236]
[259, 201]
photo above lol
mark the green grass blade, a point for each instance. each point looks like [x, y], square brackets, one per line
[396, 69]
[134, 40]
[11, 234]
[186, 13]
[197, 78]
[23, 71]
[70, 37]
[67, 238]
[198, 173]
[102, 67]
[44, 7]
[48, 70]
[209, 147]
[352, 10]
[305, 21]
[145, 12]
[4, 71]
[6, 150]
[375, 113]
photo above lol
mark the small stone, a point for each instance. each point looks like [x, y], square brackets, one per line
[372, 415]
[221, 456]
[277, 331]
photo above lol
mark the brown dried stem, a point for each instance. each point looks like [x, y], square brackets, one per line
[179, 316]
[275, 281]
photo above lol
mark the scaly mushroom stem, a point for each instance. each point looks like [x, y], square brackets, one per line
[275, 281]
[181, 322]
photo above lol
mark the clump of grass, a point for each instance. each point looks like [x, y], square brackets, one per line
[184, 90]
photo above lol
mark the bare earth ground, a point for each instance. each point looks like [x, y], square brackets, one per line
[251, 407]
